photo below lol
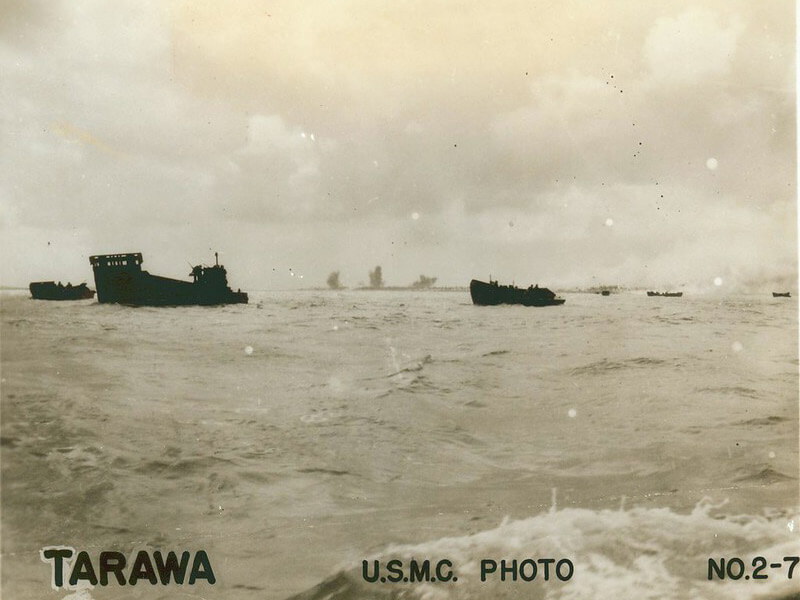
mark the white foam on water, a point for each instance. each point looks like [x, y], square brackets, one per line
[646, 553]
[82, 593]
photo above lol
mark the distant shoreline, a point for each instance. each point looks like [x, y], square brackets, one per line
[460, 289]
[389, 288]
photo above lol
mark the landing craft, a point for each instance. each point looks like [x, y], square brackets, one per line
[666, 294]
[491, 294]
[48, 290]
[119, 278]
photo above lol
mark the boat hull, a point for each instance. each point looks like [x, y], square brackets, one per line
[119, 279]
[492, 294]
[781, 294]
[49, 290]
[144, 289]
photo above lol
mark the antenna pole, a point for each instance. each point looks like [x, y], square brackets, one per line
[216, 259]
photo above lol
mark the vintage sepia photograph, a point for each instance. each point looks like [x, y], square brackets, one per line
[442, 300]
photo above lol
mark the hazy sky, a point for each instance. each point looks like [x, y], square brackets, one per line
[564, 143]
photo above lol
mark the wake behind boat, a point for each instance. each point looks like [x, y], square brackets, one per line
[491, 294]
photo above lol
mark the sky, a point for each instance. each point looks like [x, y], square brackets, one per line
[564, 143]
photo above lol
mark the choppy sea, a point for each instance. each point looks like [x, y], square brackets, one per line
[294, 437]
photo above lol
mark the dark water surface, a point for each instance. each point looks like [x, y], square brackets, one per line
[295, 436]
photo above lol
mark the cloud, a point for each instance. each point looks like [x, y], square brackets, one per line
[325, 126]
[691, 48]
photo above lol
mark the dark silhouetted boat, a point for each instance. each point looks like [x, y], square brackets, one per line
[605, 293]
[119, 278]
[491, 294]
[781, 294]
[666, 294]
[50, 290]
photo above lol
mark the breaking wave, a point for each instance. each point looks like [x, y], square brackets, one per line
[647, 553]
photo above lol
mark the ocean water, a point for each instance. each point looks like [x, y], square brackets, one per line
[296, 436]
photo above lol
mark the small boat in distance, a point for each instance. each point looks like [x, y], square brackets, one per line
[49, 290]
[666, 294]
[605, 293]
[119, 278]
[492, 294]
[781, 294]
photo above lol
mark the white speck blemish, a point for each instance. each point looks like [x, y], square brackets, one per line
[712, 163]
[737, 346]
[717, 281]
[771, 455]
[415, 215]
[572, 413]
[248, 350]
[609, 222]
